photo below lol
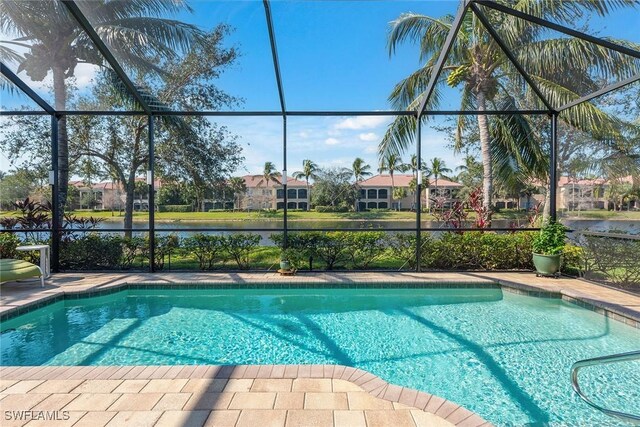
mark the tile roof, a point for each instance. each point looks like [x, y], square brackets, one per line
[402, 180]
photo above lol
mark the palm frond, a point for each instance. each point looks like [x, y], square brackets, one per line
[429, 32]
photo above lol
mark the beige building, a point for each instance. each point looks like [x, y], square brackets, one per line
[376, 192]
[108, 195]
[263, 195]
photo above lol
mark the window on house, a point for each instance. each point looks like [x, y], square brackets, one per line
[382, 194]
[292, 193]
[363, 193]
[302, 193]
[383, 205]
[372, 205]
[280, 193]
[302, 205]
[292, 205]
[372, 194]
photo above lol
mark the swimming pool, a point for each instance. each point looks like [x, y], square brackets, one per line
[505, 356]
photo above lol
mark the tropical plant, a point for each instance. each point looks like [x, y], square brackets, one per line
[309, 171]
[50, 40]
[239, 188]
[550, 239]
[413, 166]
[437, 168]
[360, 169]
[269, 174]
[488, 79]
[391, 162]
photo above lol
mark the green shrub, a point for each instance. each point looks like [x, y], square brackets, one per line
[175, 208]
[363, 247]
[132, 248]
[208, 249]
[239, 247]
[332, 248]
[550, 239]
[573, 260]
[164, 247]
[91, 251]
[8, 244]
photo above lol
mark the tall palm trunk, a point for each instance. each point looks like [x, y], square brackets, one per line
[60, 95]
[308, 196]
[130, 187]
[485, 149]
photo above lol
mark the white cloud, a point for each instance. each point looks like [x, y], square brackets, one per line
[369, 136]
[362, 122]
[303, 135]
[331, 141]
[371, 149]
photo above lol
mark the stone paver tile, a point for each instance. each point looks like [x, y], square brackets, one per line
[222, 418]
[446, 409]
[458, 415]
[97, 386]
[291, 371]
[262, 384]
[136, 402]
[408, 396]
[304, 371]
[264, 371]
[389, 418]
[393, 392]
[325, 401]
[131, 386]
[164, 386]
[472, 421]
[72, 417]
[349, 419]
[426, 419]
[21, 402]
[251, 371]
[237, 371]
[311, 384]
[159, 373]
[54, 402]
[172, 402]
[22, 387]
[278, 371]
[309, 418]
[204, 385]
[421, 400]
[286, 400]
[342, 385]
[359, 400]
[238, 385]
[397, 405]
[262, 418]
[434, 404]
[253, 400]
[317, 371]
[92, 402]
[182, 419]
[95, 419]
[135, 419]
[208, 401]
[4, 384]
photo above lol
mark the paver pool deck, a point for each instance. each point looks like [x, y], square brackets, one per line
[250, 395]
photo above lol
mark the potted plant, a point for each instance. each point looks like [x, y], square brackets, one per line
[288, 261]
[547, 248]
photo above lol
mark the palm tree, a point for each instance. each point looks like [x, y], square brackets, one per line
[391, 163]
[308, 171]
[413, 166]
[360, 169]
[437, 169]
[139, 32]
[239, 187]
[270, 174]
[487, 78]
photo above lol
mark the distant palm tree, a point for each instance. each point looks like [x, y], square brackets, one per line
[413, 166]
[391, 163]
[437, 169]
[239, 187]
[487, 77]
[140, 31]
[308, 171]
[360, 169]
[270, 174]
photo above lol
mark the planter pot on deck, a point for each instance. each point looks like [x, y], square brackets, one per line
[547, 265]
[285, 265]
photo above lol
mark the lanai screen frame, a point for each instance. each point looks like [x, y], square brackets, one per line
[466, 5]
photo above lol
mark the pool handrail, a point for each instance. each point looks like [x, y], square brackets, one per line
[603, 360]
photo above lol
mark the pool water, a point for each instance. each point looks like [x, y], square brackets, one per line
[505, 356]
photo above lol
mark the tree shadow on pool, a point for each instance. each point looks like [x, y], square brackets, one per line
[524, 400]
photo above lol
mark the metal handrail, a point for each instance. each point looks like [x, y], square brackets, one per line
[603, 360]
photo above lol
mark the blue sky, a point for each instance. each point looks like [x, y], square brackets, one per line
[333, 56]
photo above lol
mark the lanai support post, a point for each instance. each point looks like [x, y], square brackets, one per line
[418, 193]
[55, 198]
[151, 198]
[553, 168]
